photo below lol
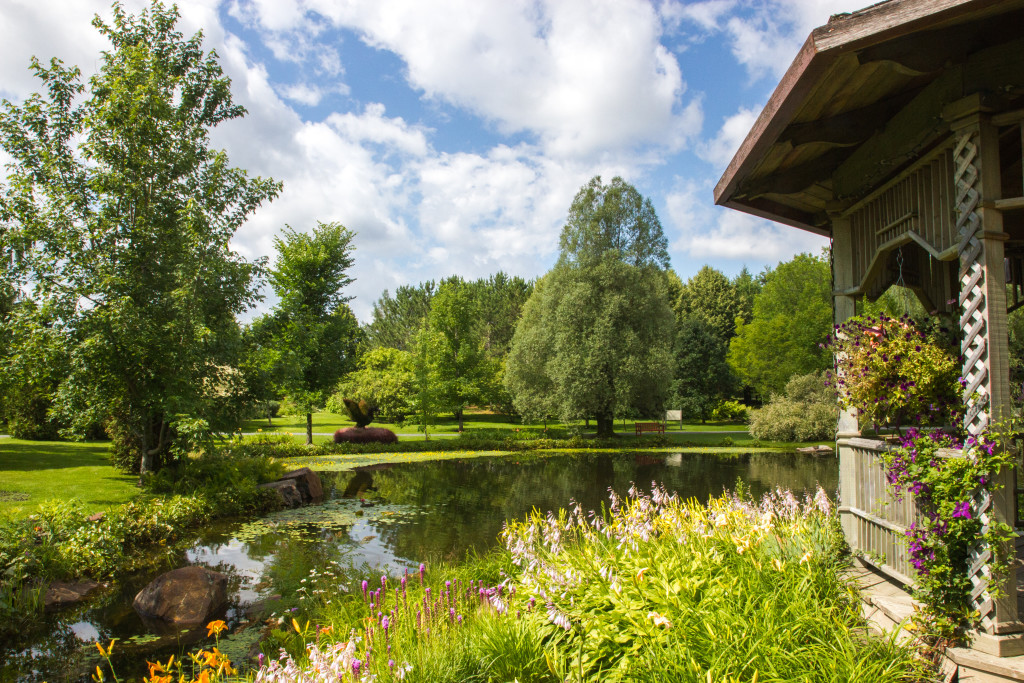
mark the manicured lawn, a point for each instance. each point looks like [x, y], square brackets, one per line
[48, 469]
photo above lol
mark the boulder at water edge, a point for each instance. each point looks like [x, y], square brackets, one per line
[308, 482]
[62, 594]
[287, 491]
[188, 596]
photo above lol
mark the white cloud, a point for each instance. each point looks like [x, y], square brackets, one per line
[583, 78]
[720, 149]
[701, 230]
[767, 39]
[707, 14]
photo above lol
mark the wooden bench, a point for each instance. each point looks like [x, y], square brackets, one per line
[642, 427]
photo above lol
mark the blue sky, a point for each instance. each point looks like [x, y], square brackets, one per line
[452, 135]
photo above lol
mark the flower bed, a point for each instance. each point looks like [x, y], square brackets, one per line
[653, 589]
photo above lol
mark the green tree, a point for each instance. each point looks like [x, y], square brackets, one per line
[461, 366]
[121, 215]
[397, 319]
[702, 377]
[500, 300]
[746, 287]
[385, 379]
[315, 330]
[595, 338]
[792, 317]
[710, 297]
[424, 351]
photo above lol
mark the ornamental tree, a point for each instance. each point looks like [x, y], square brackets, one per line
[315, 334]
[117, 219]
[595, 337]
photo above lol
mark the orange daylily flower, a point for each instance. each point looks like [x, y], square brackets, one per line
[215, 627]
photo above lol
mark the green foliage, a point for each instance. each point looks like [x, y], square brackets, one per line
[664, 590]
[702, 377]
[941, 539]
[612, 218]
[459, 365]
[61, 542]
[34, 362]
[712, 299]
[792, 316]
[425, 403]
[121, 215]
[385, 379]
[595, 336]
[730, 411]
[397, 319]
[808, 410]
[310, 339]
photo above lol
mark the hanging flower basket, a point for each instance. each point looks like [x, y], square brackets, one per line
[894, 374]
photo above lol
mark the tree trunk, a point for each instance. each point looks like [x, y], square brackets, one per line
[458, 415]
[605, 426]
[309, 429]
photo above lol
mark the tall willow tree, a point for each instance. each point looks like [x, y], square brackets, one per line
[117, 216]
[595, 337]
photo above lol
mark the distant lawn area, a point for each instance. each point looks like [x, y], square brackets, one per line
[330, 422]
[43, 470]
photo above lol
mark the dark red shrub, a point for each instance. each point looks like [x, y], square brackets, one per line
[364, 435]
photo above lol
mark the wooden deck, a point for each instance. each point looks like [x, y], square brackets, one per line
[887, 608]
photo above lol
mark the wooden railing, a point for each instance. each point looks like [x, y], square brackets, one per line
[874, 521]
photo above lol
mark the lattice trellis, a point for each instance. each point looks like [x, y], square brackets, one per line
[974, 347]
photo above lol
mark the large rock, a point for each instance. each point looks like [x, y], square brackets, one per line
[287, 491]
[185, 597]
[308, 482]
[61, 594]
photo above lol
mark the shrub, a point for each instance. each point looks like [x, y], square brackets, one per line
[364, 435]
[730, 411]
[808, 411]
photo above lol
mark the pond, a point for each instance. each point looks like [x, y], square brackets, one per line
[384, 518]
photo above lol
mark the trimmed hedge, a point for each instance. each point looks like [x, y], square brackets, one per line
[364, 435]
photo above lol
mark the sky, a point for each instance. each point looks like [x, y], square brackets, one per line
[452, 135]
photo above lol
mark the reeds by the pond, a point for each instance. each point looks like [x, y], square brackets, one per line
[651, 589]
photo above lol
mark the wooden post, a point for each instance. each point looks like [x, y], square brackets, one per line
[845, 308]
[985, 350]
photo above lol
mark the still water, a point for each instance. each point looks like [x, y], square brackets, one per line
[384, 518]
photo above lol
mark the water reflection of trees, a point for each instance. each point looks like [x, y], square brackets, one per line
[471, 499]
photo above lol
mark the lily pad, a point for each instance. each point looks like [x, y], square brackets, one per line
[335, 515]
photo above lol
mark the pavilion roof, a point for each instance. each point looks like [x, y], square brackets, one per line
[860, 101]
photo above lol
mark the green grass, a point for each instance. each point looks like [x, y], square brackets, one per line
[330, 422]
[46, 469]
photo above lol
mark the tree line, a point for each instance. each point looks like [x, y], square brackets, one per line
[120, 294]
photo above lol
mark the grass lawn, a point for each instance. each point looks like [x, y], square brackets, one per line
[48, 469]
[330, 422]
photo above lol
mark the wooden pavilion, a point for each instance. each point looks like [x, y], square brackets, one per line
[897, 132]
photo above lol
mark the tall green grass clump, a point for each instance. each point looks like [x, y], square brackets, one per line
[651, 589]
